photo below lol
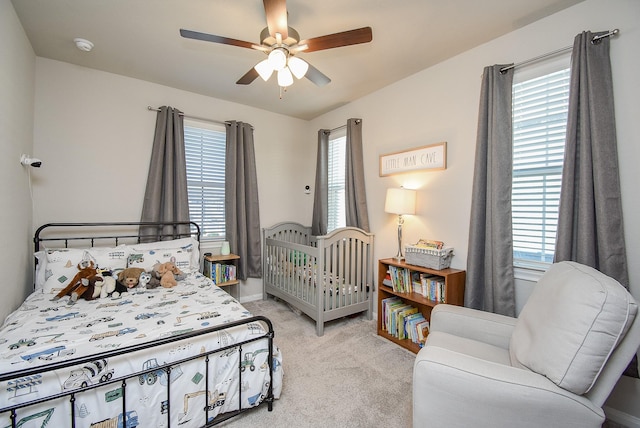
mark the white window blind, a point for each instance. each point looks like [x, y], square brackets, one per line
[205, 148]
[336, 175]
[539, 127]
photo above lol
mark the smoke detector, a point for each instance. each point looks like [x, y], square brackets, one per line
[83, 44]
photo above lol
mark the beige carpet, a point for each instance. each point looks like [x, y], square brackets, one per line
[350, 377]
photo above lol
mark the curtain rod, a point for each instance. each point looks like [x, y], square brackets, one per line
[340, 127]
[595, 40]
[193, 117]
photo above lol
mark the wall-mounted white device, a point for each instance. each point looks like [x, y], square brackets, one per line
[29, 161]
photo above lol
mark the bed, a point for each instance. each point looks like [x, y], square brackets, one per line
[326, 277]
[185, 356]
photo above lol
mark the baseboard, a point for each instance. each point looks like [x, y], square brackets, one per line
[622, 418]
[252, 298]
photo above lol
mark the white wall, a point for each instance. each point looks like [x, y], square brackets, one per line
[17, 82]
[441, 104]
[94, 134]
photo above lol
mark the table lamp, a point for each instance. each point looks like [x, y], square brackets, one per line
[401, 202]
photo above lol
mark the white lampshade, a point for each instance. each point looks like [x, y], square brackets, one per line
[298, 67]
[278, 59]
[400, 201]
[264, 69]
[285, 78]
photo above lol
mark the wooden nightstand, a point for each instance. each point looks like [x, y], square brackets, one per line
[222, 271]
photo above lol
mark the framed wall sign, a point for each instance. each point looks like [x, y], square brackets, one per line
[432, 157]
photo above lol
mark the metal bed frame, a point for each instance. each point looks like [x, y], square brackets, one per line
[122, 380]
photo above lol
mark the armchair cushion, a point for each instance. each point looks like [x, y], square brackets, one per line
[571, 324]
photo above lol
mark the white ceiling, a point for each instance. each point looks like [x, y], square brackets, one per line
[140, 39]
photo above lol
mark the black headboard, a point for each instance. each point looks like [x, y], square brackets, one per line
[111, 233]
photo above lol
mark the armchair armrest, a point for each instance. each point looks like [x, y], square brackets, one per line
[486, 327]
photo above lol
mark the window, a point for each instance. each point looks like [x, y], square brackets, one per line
[205, 147]
[540, 106]
[336, 173]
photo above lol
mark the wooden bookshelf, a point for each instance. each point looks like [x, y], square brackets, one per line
[454, 281]
[229, 259]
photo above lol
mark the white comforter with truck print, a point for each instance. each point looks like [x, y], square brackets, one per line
[42, 331]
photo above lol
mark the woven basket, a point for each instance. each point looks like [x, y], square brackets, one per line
[428, 257]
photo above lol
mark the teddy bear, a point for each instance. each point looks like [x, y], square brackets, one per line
[168, 274]
[130, 277]
[79, 283]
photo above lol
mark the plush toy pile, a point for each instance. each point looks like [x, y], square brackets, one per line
[91, 283]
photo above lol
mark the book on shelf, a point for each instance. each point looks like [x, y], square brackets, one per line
[410, 323]
[401, 331]
[401, 279]
[422, 331]
[219, 272]
[429, 244]
[432, 287]
[387, 280]
[403, 321]
[394, 315]
[386, 311]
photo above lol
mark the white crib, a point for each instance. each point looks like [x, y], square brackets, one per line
[326, 277]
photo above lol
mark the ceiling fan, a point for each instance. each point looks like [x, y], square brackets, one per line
[282, 43]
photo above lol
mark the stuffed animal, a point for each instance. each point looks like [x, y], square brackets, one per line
[92, 292]
[149, 279]
[79, 283]
[145, 278]
[168, 273]
[107, 286]
[130, 277]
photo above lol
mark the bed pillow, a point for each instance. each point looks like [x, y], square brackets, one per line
[56, 266]
[57, 276]
[56, 263]
[183, 252]
[110, 258]
[41, 266]
[63, 255]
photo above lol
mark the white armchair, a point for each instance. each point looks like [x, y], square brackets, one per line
[553, 366]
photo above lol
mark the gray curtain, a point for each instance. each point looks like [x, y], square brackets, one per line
[590, 227]
[490, 282]
[321, 195]
[355, 192]
[242, 212]
[166, 197]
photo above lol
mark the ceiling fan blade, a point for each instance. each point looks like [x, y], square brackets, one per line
[336, 40]
[215, 39]
[276, 12]
[249, 77]
[316, 76]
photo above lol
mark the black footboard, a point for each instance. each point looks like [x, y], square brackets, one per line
[126, 418]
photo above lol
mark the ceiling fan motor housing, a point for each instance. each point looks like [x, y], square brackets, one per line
[269, 40]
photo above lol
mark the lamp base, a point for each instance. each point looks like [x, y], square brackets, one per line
[399, 257]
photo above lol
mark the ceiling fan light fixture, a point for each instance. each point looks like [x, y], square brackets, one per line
[278, 59]
[298, 67]
[285, 78]
[264, 69]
